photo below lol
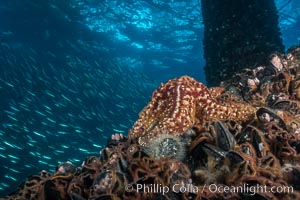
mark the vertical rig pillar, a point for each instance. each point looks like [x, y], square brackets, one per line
[238, 34]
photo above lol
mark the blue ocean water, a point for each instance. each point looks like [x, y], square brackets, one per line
[74, 72]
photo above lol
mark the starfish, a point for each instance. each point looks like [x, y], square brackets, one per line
[176, 105]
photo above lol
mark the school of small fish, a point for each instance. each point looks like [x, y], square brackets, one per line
[51, 111]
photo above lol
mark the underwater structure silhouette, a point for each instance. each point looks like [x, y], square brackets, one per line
[238, 35]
